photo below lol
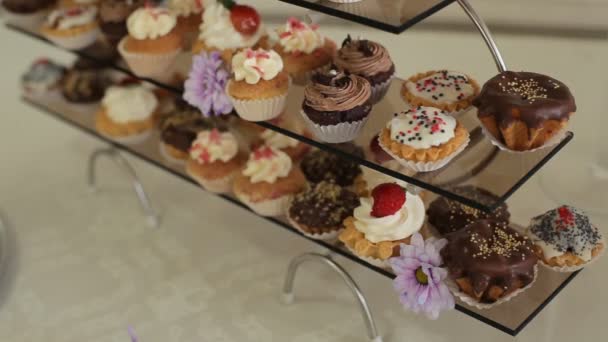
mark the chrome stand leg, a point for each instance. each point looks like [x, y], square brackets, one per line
[152, 218]
[287, 296]
[485, 33]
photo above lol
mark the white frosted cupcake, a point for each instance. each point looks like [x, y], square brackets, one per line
[72, 28]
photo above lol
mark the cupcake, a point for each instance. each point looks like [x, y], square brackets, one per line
[259, 87]
[369, 60]
[382, 222]
[321, 166]
[127, 114]
[26, 12]
[336, 105]
[189, 18]
[268, 182]
[228, 27]
[295, 149]
[73, 28]
[489, 262]
[424, 139]
[447, 90]
[524, 110]
[84, 83]
[565, 239]
[113, 16]
[74, 3]
[319, 211]
[448, 216]
[214, 160]
[43, 77]
[153, 43]
[303, 49]
[177, 132]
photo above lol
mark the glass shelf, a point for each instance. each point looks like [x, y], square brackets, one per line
[509, 317]
[394, 16]
[480, 164]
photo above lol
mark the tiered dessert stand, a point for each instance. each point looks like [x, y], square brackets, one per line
[481, 164]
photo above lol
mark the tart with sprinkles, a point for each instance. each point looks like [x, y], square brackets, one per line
[524, 110]
[565, 239]
[447, 90]
[424, 139]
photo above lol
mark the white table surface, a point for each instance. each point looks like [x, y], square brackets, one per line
[85, 267]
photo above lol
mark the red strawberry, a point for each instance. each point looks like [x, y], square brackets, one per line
[379, 154]
[245, 19]
[388, 199]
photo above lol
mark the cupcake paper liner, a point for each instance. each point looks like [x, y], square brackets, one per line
[270, 207]
[28, 20]
[131, 139]
[379, 90]
[329, 236]
[218, 186]
[451, 284]
[372, 261]
[75, 42]
[342, 132]
[148, 64]
[168, 157]
[556, 139]
[259, 110]
[428, 166]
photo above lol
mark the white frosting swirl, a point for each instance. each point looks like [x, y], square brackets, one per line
[278, 140]
[211, 146]
[185, 7]
[297, 36]
[128, 104]
[218, 32]
[423, 127]
[67, 18]
[442, 87]
[253, 65]
[400, 225]
[150, 23]
[267, 164]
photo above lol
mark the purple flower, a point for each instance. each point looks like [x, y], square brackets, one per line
[206, 83]
[420, 279]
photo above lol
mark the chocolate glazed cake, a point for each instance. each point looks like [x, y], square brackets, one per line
[489, 260]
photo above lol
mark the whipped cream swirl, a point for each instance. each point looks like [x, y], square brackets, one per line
[363, 57]
[254, 65]
[150, 23]
[67, 18]
[423, 127]
[130, 103]
[267, 164]
[335, 91]
[278, 140]
[297, 36]
[402, 224]
[218, 32]
[211, 146]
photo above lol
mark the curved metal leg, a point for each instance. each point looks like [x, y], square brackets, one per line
[485, 33]
[152, 218]
[288, 296]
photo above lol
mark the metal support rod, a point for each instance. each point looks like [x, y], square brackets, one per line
[485, 33]
[288, 296]
[152, 218]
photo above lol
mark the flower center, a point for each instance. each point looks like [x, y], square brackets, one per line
[421, 277]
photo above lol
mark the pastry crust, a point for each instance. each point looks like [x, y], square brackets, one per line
[277, 86]
[74, 31]
[567, 259]
[217, 169]
[299, 64]
[450, 107]
[356, 241]
[257, 192]
[491, 294]
[518, 136]
[167, 43]
[105, 125]
[461, 135]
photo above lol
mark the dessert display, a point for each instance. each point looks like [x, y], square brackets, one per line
[73, 28]
[490, 262]
[294, 148]
[26, 12]
[268, 182]
[153, 43]
[423, 139]
[382, 222]
[565, 239]
[84, 83]
[113, 15]
[321, 166]
[336, 105]
[447, 90]
[215, 160]
[448, 216]
[303, 49]
[523, 111]
[128, 114]
[177, 132]
[259, 87]
[319, 211]
[229, 27]
[189, 17]
[43, 77]
[369, 60]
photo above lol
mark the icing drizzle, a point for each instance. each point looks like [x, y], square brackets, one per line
[442, 87]
[422, 127]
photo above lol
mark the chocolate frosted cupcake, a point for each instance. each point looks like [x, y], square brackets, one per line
[449, 216]
[489, 262]
[369, 60]
[178, 130]
[318, 212]
[524, 110]
[113, 16]
[321, 166]
[336, 105]
[26, 12]
[84, 83]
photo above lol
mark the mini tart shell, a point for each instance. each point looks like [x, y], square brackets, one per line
[298, 64]
[71, 32]
[568, 259]
[416, 101]
[264, 89]
[217, 169]
[356, 241]
[262, 191]
[434, 153]
[105, 125]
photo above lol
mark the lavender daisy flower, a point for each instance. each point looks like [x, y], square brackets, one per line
[420, 279]
[206, 83]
